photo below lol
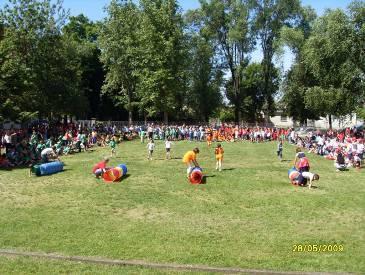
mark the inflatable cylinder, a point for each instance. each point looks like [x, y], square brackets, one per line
[47, 168]
[115, 174]
[196, 175]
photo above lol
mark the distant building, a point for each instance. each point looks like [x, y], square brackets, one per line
[281, 120]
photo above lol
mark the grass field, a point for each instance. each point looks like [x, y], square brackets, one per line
[247, 216]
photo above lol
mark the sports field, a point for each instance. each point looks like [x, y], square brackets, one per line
[247, 216]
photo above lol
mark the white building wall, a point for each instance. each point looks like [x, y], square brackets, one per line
[323, 123]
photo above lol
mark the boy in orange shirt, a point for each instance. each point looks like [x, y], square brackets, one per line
[219, 157]
[209, 139]
[190, 160]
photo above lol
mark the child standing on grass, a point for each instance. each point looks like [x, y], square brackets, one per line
[280, 150]
[113, 145]
[168, 144]
[219, 157]
[150, 147]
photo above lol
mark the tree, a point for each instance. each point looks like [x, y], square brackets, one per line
[340, 88]
[162, 69]
[119, 43]
[204, 94]
[227, 23]
[39, 71]
[82, 34]
[270, 17]
[205, 76]
[298, 78]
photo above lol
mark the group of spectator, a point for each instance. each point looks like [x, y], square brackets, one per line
[28, 146]
[344, 147]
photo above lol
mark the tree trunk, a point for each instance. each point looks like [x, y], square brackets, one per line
[330, 121]
[130, 109]
[165, 117]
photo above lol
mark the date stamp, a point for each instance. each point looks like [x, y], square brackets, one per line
[329, 248]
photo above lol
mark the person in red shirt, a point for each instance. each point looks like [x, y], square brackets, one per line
[100, 168]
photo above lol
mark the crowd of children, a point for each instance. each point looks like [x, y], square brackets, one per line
[345, 148]
[44, 142]
[32, 145]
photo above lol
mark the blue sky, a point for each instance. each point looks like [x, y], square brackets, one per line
[94, 9]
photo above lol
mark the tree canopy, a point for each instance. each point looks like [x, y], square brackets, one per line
[148, 59]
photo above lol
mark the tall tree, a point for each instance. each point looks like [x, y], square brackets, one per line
[206, 79]
[82, 34]
[298, 78]
[270, 17]
[340, 86]
[163, 57]
[39, 70]
[119, 45]
[227, 22]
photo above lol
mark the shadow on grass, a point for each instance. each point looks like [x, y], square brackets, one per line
[228, 169]
[204, 180]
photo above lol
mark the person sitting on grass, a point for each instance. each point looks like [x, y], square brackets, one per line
[100, 168]
[190, 160]
[4, 163]
[357, 161]
[340, 163]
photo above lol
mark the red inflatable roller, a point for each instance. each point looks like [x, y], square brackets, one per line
[196, 175]
[113, 174]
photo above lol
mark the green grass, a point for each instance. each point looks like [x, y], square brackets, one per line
[247, 216]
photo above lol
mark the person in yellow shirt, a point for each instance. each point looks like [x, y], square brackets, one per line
[190, 160]
[219, 157]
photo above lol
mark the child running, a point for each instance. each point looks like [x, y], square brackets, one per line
[280, 150]
[168, 144]
[219, 157]
[190, 160]
[150, 147]
[112, 144]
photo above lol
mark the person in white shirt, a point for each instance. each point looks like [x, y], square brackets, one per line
[150, 147]
[168, 144]
[311, 177]
[48, 155]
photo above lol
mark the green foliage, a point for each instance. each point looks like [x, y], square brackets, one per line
[227, 24]
[327, 77]
[82, 34]
[205, 76]
[39, 69]
[269, 18]
[163, 56]
[119, 43]
[326, 55]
